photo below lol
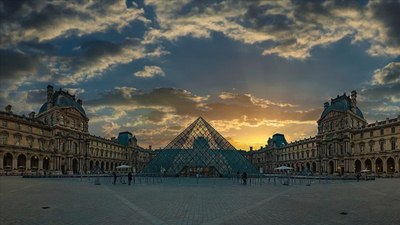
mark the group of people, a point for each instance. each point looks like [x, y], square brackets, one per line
[130, 177]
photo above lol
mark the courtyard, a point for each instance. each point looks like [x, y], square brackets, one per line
[196, 201]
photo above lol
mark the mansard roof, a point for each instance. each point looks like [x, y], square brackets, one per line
[341, 104]
[63, 99]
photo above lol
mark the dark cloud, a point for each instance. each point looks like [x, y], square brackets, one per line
[16, 67]
[388, 13]
[155, 116]
[47, 20]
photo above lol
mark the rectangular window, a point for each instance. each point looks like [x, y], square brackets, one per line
[393, 144]
[17, 140]
[371, 134]
[393, 130]
[382, 146]
[382, 131]
[4, 123]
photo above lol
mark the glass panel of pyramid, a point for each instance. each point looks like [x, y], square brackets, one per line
[199, 149]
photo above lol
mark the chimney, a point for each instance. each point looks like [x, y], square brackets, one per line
[79, 102]
[251, 148]
[8, 109]
[326, 105]
[149, 147]
[32, 115]
[49, 96]
[353, 101]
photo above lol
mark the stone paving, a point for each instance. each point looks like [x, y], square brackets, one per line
[183, 201]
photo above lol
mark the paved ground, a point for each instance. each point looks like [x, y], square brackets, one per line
[183, 201]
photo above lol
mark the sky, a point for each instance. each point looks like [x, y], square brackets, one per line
[250, 68]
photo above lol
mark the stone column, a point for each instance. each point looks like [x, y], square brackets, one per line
[14, 164]
[1, 161]
[384, 164]
[28, 163]
[40, 166]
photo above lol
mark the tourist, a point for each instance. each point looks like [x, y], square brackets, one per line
[115, 177]
[244, 178]
[129, 178]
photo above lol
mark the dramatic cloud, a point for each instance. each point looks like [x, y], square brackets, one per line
[92, 58]
[46, 20]
[390, 74]
[291, 29]
[382, 95]
[150, 71]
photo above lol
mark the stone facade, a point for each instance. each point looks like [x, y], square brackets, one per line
[344, 145]
[57, 141]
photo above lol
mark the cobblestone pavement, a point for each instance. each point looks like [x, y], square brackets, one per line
[183, 201]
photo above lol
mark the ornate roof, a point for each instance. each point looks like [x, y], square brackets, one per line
[341, 104]
[63, 99]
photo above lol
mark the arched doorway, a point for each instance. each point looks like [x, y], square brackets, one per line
[390, 165]
[308, 166]
[331, 167]
[357, 166]
[46, 163]
[75, 166]
[21, 162]
[102, 166]
[107, 166]
[7, 162]
[34, 163]
[368, 164]
[91, 165]
[379, 165]
[112, 166]
[314, 167]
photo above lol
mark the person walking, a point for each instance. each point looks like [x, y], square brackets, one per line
[129, 178]
[115, 177]
[244, 178]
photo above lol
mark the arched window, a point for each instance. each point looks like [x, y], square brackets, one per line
[382, 145]
[393, 144]
[75, 148]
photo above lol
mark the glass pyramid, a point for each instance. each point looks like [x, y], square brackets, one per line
[199, 149]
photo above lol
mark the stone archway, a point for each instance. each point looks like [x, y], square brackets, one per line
[102, 166]
[368, 164]
[313, 167]
[7, 161]
[75, 165]
[331, 167]
[379, 165]
[91, 165]
[34, 163]
[46, 163]
[390, 165]
[357, 166]
[21, 162]
[107, 166]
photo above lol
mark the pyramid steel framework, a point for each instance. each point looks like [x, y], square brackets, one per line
[199, 149]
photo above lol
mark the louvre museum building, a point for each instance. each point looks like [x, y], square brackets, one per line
[56, 141]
